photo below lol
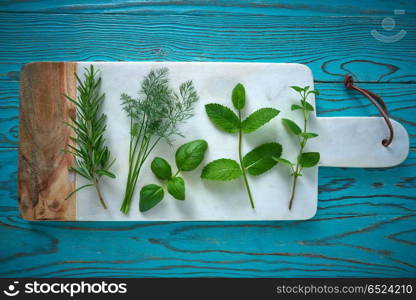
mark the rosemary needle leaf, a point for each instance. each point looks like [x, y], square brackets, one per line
[92, 157]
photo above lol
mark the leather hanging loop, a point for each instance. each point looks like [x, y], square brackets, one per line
[378, 103]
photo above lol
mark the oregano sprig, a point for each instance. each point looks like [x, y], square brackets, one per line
[187, 157]
[257, 161]
[304, 159]
[155, 114]
[92, 157]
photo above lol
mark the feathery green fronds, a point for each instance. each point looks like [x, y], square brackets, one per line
[155, 114]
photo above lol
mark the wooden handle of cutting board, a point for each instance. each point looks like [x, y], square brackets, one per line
[43, 176]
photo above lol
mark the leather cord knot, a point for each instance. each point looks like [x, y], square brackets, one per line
[378, 103]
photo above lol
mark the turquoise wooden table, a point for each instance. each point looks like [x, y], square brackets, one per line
[366, 220]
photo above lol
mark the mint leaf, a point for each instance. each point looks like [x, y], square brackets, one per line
[308, 135]
[307, 105]
[239, 96]
[309, 159]
[297, 89]
[314, 92]
[295, 107]
[292, 126]
[176, 187]
[150, 195]
[258, 119]
[223, 117]
[189, 155]
[222, 169]
[283, 161]
[161, 168]
[260, 159]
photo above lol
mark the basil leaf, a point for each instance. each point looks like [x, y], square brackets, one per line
[309, 159]
[189, 155]
[161, 168]
[297, 89]
[261, 159]
[292, 126]
[176, 187]
[150, 195]
[308, 135]
[239, 96]
[258, 119]
[314, 92]
[222, 169]
[223, 117]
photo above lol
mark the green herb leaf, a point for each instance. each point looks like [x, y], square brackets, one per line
[307, 106]
[222, 169]
[223, 117]
[150, 195]
[161, 168]
[309, 159]
[189, 155]
[176, 187]
[258, 119]
[297, 89]
[292, 126]
[260, 159]
[308, 135]
[106, 173]
[295, 107]
[283, 161]
[314, 92]
[239, 96]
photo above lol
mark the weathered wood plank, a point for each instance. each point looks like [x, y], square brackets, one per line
[333, 246]
[270, 7]
[331, 46]
[43, 175]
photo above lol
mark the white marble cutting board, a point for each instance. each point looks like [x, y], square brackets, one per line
[342, 142]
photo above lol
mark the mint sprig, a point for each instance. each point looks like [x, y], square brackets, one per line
[258, 160]
[187, 158]
[304, 159]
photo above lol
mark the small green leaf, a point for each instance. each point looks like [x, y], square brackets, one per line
[222, 169]
[223, 117]
[161, 168]
[306, 88]
[307, 106]
[106, 173]
[297, 89]
[283, 161]
[295, 107]
[176, 187]
[292, 126]
[308, 135]
[260, 159]
[150, 195]
[239, 96]
[189, 155]
[258, 118]
[309, 159]
[314, 92]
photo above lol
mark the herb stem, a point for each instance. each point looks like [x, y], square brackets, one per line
[298, 168]
[240, 156]
[100, 196]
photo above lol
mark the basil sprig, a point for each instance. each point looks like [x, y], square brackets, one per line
[187, 158]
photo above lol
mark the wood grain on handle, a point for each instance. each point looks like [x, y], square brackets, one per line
[43, 177]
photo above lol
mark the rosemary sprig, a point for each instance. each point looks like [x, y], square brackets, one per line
[304, 159]
[154, 114]
[92, 157]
